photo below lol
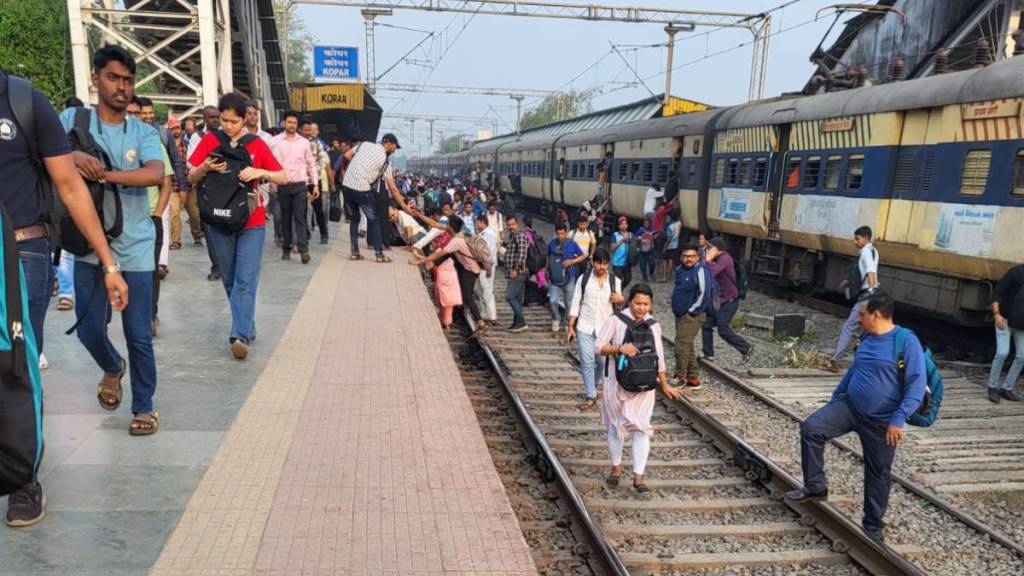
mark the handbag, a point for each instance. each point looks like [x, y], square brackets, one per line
[334, 211]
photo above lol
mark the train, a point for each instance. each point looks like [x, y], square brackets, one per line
[935, 166]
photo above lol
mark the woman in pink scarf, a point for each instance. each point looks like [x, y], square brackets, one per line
[446, 284]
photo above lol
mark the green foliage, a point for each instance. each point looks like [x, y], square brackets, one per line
[34, 43]
[454, 143]
[739, 321]
[557, 107]
[298, 44]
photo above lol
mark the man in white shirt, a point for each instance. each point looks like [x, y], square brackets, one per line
[593, 302]
[861, 282]
[485, 283]
[495, 220]
[369, 165]
[411, 232]
[651, 199]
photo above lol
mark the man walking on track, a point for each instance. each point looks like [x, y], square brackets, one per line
[871, 401]
[862, 281]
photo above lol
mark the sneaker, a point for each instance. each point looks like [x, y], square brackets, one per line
[554, 326]
[239, 348]
[709, 357]
[805, 495]
[875, 536]
[518, 328]
[213, 276]
[43, 362]
[693, 383]
[305, 257]
[286, 254]
[198, 242]
[26, 506]
[323, 239]
[993, 395]
[1010, 395]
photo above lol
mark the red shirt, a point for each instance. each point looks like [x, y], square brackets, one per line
[262, 158]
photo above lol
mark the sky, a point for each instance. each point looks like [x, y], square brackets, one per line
[549, 54]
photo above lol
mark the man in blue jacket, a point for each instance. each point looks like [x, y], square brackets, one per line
[871, 401]
[691, 298]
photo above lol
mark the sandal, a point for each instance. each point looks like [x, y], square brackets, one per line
[612, 480]
[587, 404]
[175, 246]
[65, 304]
[383, 258]
[144, 424]
[641, 488]
[110, 388]
[356, 256]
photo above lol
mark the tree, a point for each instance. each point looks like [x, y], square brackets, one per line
[557, 107]
[34, 43]
[296, 41]
[455, 143]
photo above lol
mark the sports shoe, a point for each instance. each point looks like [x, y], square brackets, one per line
[323, 239]
[693, 383]
[875, 535]
[1010, 395]
[554, 326]
[43, 362]
[304, 257]
[26, 506]
[518, 328]
[198, 242]
[286, 254]
[213, 276]
[805, 495]
[994, 396]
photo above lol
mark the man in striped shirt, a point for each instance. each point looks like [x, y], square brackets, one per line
[369, 165]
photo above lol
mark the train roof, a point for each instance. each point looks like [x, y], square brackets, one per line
[679, 125]
[1003, 79]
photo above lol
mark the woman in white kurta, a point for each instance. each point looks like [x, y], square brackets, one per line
[626, 412]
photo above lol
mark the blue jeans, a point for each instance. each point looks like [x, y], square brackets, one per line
[833, 420]
[239, 256]
[515, 295]
[1002, 351]
[366, 202]
[37, 263]
[591, 366]
[646, 263]
[66, 275]
[848, 332]
[93, 310]
[558, 297]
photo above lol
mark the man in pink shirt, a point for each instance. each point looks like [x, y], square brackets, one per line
[300, 167]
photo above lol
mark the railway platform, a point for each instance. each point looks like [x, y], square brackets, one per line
[344, 444]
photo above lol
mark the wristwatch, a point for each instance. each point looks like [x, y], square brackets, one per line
[112, 269]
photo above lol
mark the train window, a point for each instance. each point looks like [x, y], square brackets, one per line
[745, 172]
[812, 175]
[760, 172]
[623, 170]
[662, 171]
[832, 166]
[732, 169]
[854, 172]
[590, 169]
[634, 171]
[691, 173]
[793, 172]
[1017, 185]
[648, 171]
[976, 167]
[696, 146]
[719, 171]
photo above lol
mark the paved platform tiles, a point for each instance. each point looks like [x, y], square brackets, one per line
[357, 452]
[115, 500]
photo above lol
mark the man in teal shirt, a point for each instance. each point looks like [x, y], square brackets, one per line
[136, 157]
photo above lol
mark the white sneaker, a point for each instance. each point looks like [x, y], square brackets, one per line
[554, 326]
[43, 364]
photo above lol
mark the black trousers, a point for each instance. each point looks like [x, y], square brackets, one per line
[319, 217]
[158, 223]
[624, 274]
[467, 286]
[387, 229]
[722, 319]
[293, 216]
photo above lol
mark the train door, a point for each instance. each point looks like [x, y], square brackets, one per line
[605, 177]
[912, 171]
[778, 177]
[544, 157]
[563, 165]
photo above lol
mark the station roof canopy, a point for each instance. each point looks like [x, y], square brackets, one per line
[641, 110]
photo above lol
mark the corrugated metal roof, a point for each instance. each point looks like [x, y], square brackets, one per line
[642, 110]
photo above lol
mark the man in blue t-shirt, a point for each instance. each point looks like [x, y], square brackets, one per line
[563, 256]
[871, 401]
[136, 157]
[33, 148]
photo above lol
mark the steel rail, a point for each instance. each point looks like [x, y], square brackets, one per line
[548, 463]
[846, 536]
[915, 488]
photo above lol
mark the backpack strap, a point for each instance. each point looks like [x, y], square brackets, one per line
[12, 293]
[222, 138]
[900, 346]
[19, 97]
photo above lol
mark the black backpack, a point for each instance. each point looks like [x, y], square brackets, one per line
[64, 232]
[639, 373]
[742, 280]
[535, 257]
[223, 198]
[854, 280]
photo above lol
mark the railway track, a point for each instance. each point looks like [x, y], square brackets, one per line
[716, 505]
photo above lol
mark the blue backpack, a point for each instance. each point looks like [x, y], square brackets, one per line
[21, 394]
[928, 411]
[557, 273]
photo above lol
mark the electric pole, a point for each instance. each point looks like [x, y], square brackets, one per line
[519, 110]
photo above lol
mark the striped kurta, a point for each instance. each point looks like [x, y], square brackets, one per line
[622, 411]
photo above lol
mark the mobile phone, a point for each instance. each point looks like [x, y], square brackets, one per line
[216, 156]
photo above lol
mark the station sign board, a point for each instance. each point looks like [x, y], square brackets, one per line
[335, 63]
